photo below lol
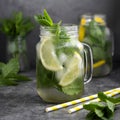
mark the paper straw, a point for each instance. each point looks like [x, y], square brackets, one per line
[63, 105]
[75, 109]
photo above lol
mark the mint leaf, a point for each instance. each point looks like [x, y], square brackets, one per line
[97, 56]
[75, 88]
[104, 98]
[104, 110]
[44, 19]
[111, 105]
[13, 79]
[1, 66]
[92, 116]
[108, 114]
[99, 112]
[7, 81]
[18, 18]
[17, 25]
[19, 77]
[46, 76]
[46, 15]
[97, 32]
[94, 105]
[9, 73]
[12, 67]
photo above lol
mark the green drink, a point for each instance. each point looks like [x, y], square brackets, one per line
[94, 32]
[60, 64]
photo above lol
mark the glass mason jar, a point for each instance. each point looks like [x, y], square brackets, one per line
[62, 64]
[16, 47]
[94, 32]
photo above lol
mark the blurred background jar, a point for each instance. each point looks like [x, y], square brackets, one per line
[16, 28]
[16, 47]
[94, 31]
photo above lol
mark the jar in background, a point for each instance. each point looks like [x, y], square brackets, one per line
[16, 47]
[93, 31]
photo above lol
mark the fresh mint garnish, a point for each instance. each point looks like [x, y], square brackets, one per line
[103, 110]
[44, 19]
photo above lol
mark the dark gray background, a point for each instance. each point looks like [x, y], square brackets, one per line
[69, 11]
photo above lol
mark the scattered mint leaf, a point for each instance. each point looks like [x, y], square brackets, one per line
[99, 112]
[104, 97]
[92, 116]
[9, 73]
[7, 81]
[108, 114]
[19, 77]
[12, 67]
[1, 66]
[111, 105]
[102, 110]
[94, 105]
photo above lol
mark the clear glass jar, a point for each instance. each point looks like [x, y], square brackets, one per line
[94, 32]
[60, 68]
[16, 47]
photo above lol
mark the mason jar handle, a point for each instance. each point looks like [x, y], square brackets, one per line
[88, 63]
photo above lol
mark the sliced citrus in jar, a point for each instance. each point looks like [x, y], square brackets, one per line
[74, 70]
[48, 56]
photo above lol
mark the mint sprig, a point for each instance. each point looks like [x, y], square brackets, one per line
[9, 73]
[102, 110]
[44, 19]
[16, 25]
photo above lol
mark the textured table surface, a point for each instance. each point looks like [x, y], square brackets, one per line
[22, 102]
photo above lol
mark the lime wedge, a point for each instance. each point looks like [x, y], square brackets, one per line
[37, 49]
[73, 70]
[48, 56]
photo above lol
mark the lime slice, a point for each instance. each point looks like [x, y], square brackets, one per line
[73, 70]
[37, 49]
[48, 56]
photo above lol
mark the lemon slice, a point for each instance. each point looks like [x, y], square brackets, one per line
[81, 33]
[73, 70]
[48, 56]
[99, 20]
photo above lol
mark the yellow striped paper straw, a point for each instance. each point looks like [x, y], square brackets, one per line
[57, 107]
[75, 109]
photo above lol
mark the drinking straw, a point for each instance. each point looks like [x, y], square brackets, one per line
[99, 63]
[63, 105]
[75, 109]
